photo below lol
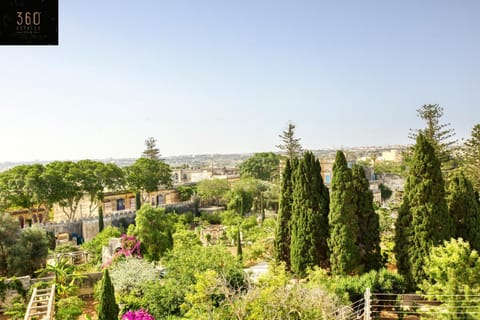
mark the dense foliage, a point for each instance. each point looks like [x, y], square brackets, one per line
[154, 228]
[212, 191]
[452, 276]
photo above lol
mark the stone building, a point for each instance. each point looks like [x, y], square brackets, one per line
[27, 217]
[114, 202]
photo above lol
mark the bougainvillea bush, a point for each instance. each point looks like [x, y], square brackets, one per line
[130, 248]
[137, 315]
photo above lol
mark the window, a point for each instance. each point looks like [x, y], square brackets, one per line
[327, 178]
[160, 200]
[21, 220]
[120, 204]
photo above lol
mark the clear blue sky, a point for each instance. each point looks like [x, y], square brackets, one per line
[227, 76]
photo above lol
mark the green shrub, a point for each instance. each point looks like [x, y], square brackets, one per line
[211, 218]
[69, 308]
[353, 288]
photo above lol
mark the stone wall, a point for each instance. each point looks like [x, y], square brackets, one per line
[87, 228]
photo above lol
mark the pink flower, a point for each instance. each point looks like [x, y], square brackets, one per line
[137, 315]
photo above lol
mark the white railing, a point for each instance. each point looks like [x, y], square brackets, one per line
[400, 306]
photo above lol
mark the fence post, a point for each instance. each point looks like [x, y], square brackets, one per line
[367, 297]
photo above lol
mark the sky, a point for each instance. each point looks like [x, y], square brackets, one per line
[227, 76]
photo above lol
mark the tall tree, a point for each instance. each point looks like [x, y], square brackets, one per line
[146, 175]
[282, 232]
[368, 238]
[263, 166]
[66, 185]
[98, 177]
[464, 209]
[423, 218]
[290, 144]
[343, 220]
[309, 222]
[437, 133]
[107, 306]
[472, 157]
[151, 151]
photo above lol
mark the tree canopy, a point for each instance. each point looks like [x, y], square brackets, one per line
[146, 175]
[263, 166]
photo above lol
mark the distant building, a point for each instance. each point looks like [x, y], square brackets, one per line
[392, 155]
[183, 176]
[27, 217]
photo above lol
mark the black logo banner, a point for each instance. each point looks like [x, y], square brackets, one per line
[28, 22]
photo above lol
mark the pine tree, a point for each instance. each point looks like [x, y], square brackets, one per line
[472, 157]
[151, 152]
[463, 205]
[100, 219]
[291, 145]
[107, 307]
[309, 222]
[438, 134]
[423, 218]
[344, 255]
[282, 233]
[368, 238]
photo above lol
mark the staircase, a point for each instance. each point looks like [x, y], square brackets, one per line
[41, 305]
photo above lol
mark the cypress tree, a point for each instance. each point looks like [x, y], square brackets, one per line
[463, 205]
[321, 206]
[368, 237]
[107, 307]
[344, 255]
[423, 218]
[100, 219]
[309, 224]
[239, 245]
[138, 201]
[282, 232]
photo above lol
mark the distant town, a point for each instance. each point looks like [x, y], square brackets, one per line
[199, 161]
